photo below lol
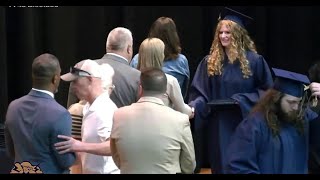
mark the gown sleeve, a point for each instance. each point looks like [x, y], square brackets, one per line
[199, 93]
[244, 147]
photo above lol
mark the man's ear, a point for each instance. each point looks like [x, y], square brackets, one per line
[55, 79]
[129, 49]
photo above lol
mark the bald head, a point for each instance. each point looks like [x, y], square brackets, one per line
[118, 39]
[153, 81]
[120, 42]
[44, 69]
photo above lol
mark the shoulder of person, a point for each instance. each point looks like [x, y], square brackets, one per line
[55, 108]
[136, 56]
[171, 80]
[180, 117]
[254, 56]
[170, 77]
[256, 118]
[17, 102]
[135, 71]
[205, 59]
[125, 109]
[175, 113]
[182, 57]
[59, 115]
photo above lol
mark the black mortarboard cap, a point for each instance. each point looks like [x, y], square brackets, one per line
[235, 16]
[290, 82]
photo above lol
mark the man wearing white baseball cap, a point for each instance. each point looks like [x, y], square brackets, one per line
[92, 82]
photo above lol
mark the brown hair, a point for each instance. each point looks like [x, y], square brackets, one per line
[165, 29]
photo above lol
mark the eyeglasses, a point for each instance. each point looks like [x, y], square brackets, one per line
[79, 72]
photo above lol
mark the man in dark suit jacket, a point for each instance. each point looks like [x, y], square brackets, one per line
[126, 79]
[34, 121]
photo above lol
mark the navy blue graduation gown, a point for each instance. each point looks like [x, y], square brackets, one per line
[254, 150]
[213, 127]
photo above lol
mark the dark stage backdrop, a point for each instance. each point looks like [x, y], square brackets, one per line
[286, 36]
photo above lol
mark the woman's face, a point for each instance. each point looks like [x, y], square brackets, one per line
[225, 36]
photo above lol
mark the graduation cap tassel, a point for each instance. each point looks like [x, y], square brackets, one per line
[302, 105]
[314, 101]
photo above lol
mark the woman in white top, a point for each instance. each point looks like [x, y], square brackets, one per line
[151, 54]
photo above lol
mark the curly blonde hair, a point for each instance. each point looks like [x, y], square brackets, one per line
[240, 43]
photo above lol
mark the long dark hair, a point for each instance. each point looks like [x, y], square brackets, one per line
[165, 29]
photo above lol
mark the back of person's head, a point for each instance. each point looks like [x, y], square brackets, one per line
[153, 81]
[118, 39]
[151, 54]
[314, 72]
[46, 71]
[165, 29]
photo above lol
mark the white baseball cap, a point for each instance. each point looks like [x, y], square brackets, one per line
[84, 68]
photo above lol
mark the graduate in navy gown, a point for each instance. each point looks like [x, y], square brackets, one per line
[274, 138]
[233, 67]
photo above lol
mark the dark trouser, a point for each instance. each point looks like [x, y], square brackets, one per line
[201, 147]
[6, 162]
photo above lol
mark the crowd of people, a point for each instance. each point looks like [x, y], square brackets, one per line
[129, 114]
